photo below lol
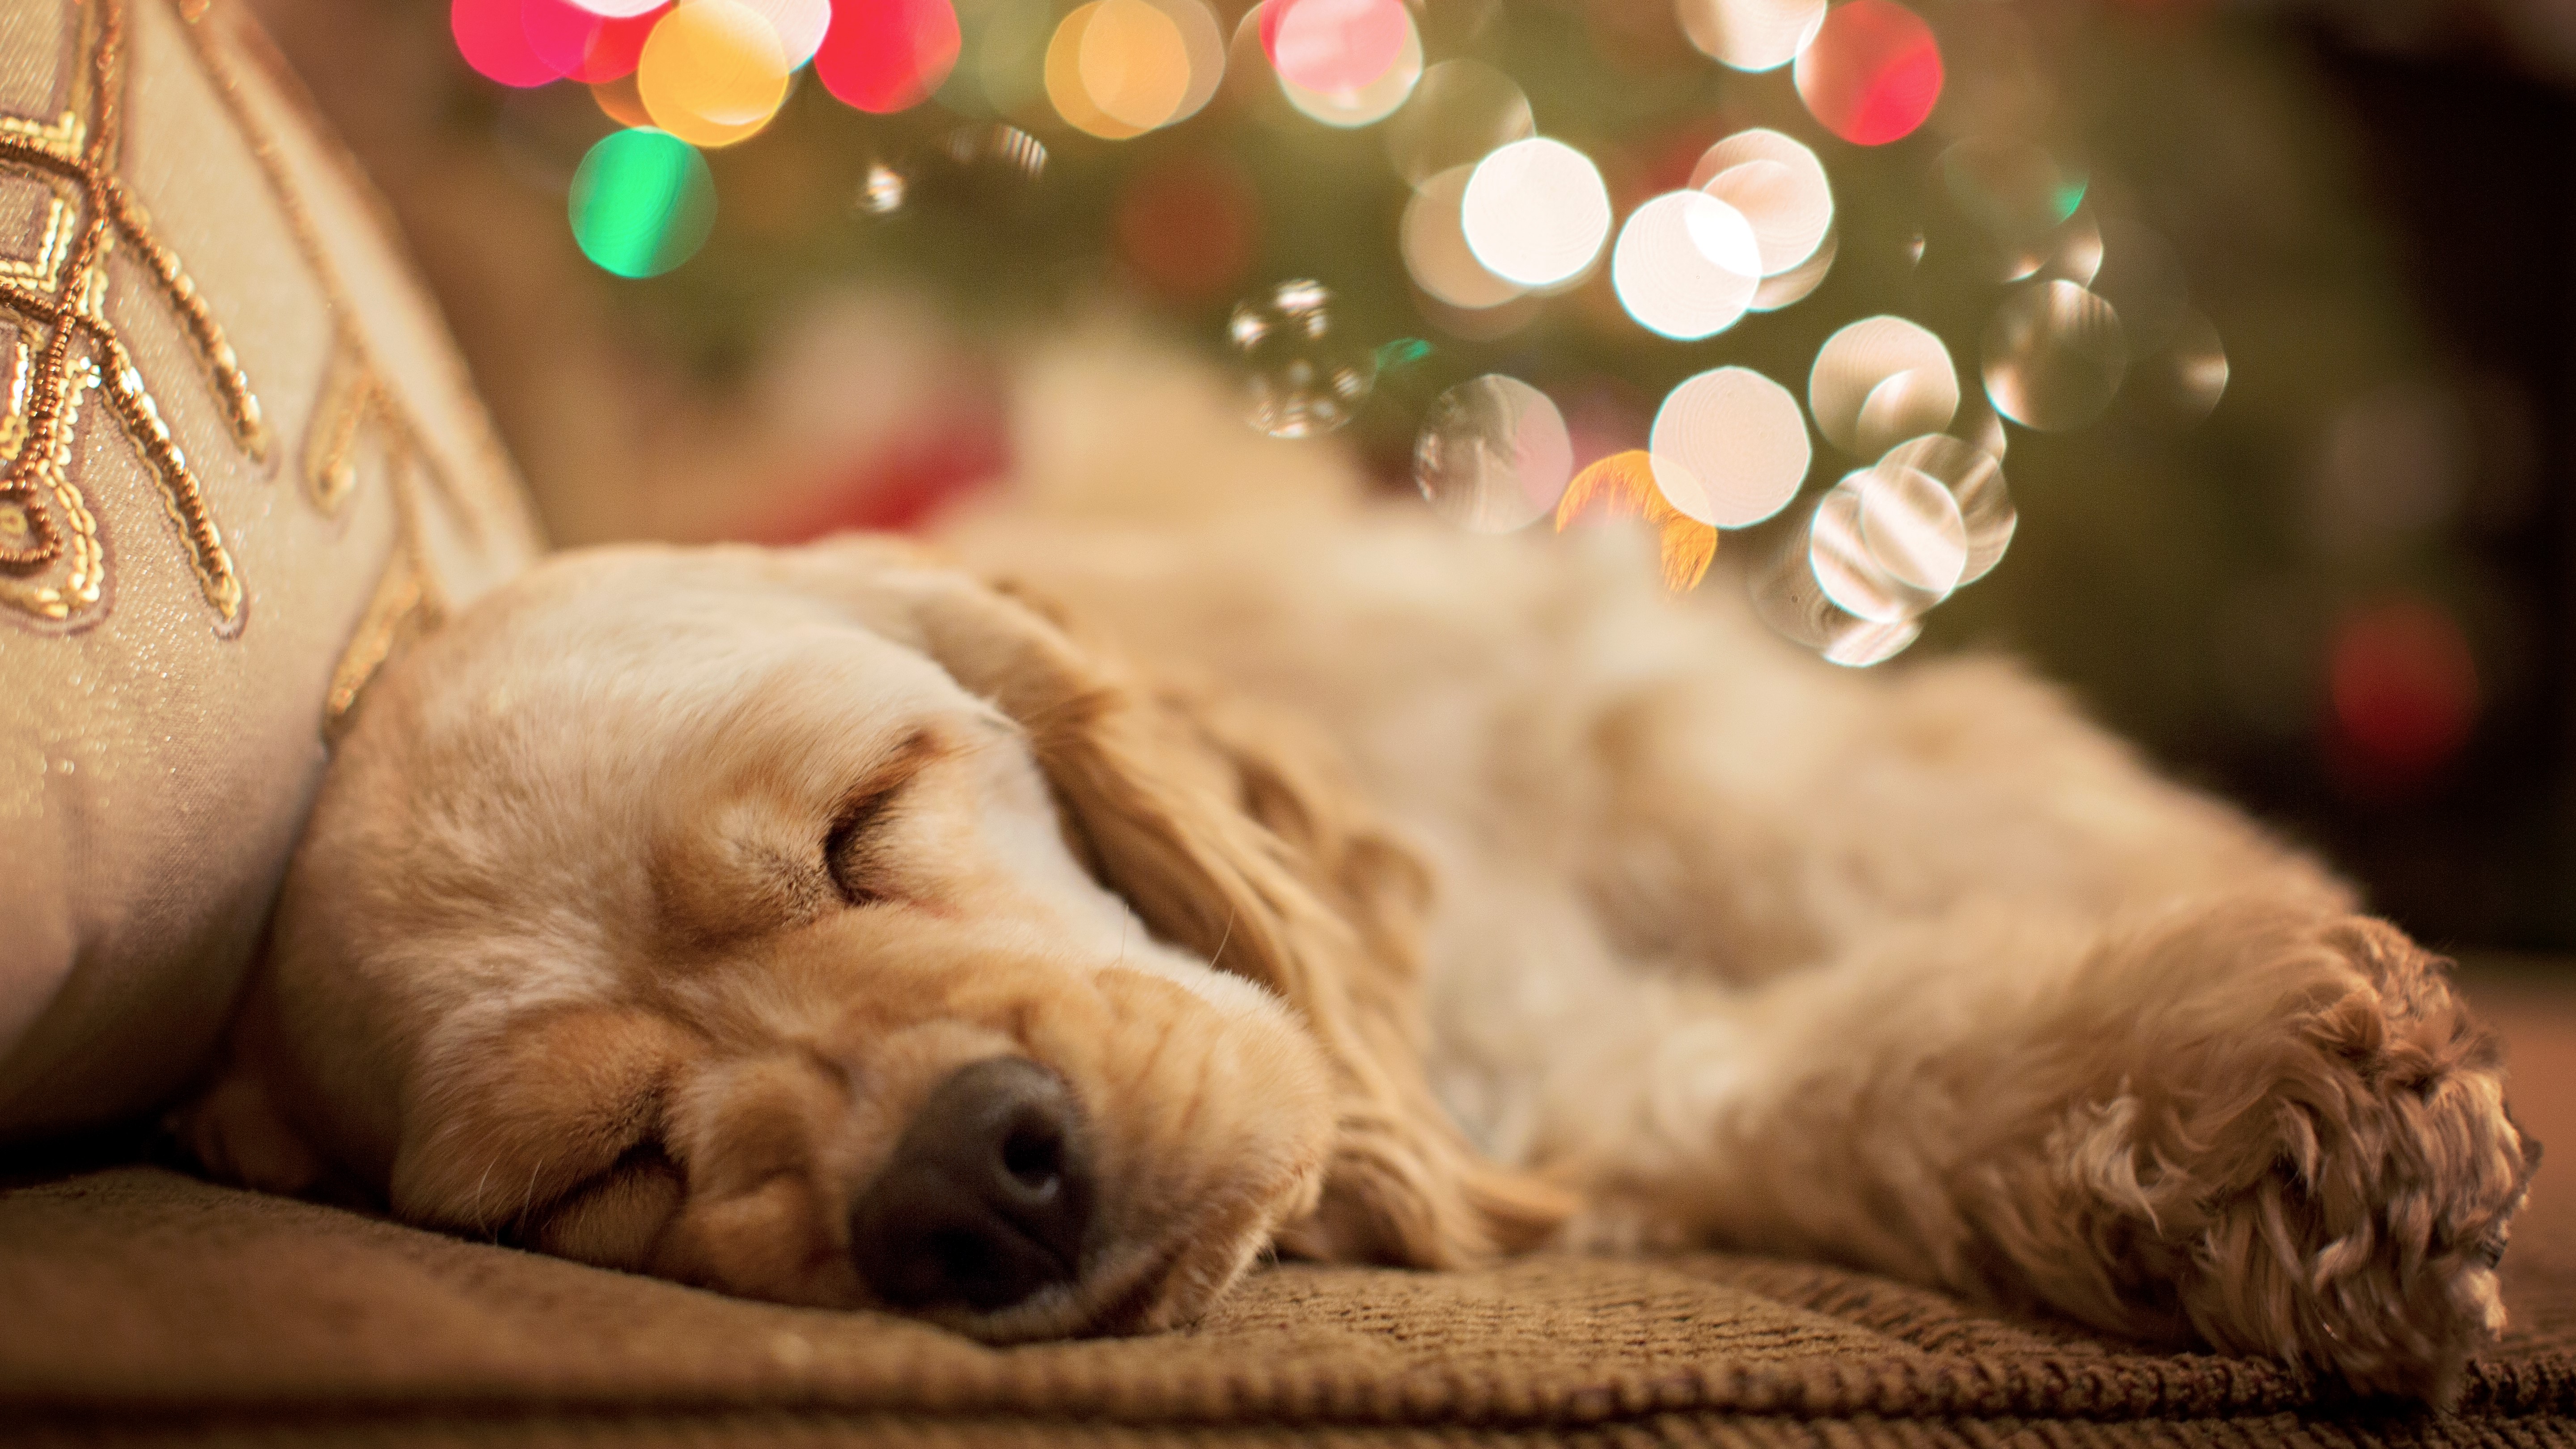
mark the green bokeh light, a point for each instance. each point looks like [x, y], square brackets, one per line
[642, 202]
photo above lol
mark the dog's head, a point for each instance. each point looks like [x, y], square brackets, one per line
[825, 926]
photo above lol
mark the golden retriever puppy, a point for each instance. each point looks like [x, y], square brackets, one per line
[847, 927]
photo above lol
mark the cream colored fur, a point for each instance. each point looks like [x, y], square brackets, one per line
[1385, 893]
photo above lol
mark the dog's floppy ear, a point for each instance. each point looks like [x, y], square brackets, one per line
[1235, 839]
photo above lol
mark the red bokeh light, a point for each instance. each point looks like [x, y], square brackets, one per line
[2404, 693]
[1332, 45]
[584, 46]
[492, 39]
[1873, 72]
[1188, 224]
[883, 56]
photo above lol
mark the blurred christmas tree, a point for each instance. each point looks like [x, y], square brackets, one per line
[1754, 258]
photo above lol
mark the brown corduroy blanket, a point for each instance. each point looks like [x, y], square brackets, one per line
[138, 1304]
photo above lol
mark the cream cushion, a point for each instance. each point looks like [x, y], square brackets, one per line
[242, 463]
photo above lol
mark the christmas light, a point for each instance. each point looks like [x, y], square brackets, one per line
[580, 44]
[641, 203]
[1493, 455]
[882, 56]
[492, 39]
[1333, 46]
[1975, 481]
[1366, 104]
[1433, 241]
[1751, 35]
[2054, 356]
[1730, 447]
[1536, 212]
[712, 73]
[1879, 381]
[1303, 374]
[1779, 186]
[1686, 266]
[1872, 73]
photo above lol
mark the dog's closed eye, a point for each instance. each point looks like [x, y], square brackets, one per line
[852, 852]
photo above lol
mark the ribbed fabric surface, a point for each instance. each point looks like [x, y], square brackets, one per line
[141, 1306]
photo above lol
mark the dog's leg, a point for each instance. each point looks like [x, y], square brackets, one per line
[2260, 1126]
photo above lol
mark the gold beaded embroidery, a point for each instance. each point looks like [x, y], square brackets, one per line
[355, 403]
[351, 398]
[51, 564]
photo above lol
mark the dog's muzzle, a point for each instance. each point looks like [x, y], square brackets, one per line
[987, 1198]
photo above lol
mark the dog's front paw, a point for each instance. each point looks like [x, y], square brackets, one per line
[2356, 1178]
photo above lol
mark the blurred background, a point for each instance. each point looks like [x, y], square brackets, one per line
[2214, 356]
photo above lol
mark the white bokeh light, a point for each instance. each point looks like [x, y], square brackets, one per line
[1879, 381]
[1751, 35]
[1435, 247]
[1730, 447]
[1536, 212]
[1687, 265]
[1779, 185]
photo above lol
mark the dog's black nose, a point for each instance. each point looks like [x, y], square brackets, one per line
[986, 1198]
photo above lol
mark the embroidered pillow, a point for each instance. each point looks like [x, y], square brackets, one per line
[239, 460]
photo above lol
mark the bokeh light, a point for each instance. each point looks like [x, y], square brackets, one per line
[1434, 243]
[1623, 486]
[1536, 212]
[1861, 643]
[1120, 68]
[620, 9]
[1872, 73]
[2180, 383]
[619, 101]
[1911, 526]
[1302, 376]
[1333, 45]
[1975, 480]
[582, 45]
[2054, 356]
[2142, 279]
[712, 73]
[2404, 691]
[493, 40]
[992, 169]
[1686, 266]
[1204, 40]
[2016, 190]
[1493, 454]
[1133, 65]
[1780, 187]
[1751, 35]
[1880, 381]
[1848, 570]
[642, 203]
[1792, 287]
[1729, 447]
[1188, 224]
[2071, 253]
[800, 24]
[1459, 113]
[1363, 105]
[1787, 596]
[883, 56]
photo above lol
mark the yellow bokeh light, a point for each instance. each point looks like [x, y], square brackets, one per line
[1623, 486]
[1134, 64]
[712, 73]
[1118, 68]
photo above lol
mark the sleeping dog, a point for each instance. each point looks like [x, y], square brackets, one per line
[1030, 940]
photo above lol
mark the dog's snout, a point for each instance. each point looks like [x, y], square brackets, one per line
[986, 1198]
